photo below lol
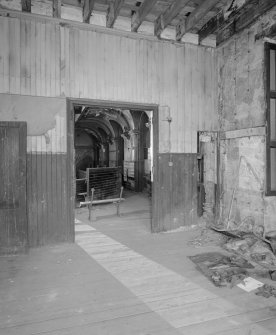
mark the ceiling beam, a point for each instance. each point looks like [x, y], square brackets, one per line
[87, 10]
[26, 5]
[113, 12]
[238, 19]
[166, 18]
[57, 8]
[139, 16]
[193, 19]
[211, 27]
[245, 16]
[267, 32]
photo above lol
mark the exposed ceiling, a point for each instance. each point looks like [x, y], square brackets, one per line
[204, 18]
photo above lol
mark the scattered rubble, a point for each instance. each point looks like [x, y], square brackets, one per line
[266, 291]
[208, 237]
[252, 252]
[222, 270]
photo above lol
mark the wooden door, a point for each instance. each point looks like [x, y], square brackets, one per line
[174, 195]
[13, 209]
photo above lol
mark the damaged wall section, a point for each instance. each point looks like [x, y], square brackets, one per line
[242, 180]
[242, 114]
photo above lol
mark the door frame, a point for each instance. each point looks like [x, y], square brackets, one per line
[70, 102]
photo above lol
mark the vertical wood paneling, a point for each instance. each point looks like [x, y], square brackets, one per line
[5, 55]
[71, 68]
[22, 57]
[175, 187]
[14, 28]
[77, 64]
[28, 57]
[187, 97]
[47, 199]
[181, 100]
[13, 218]
[47, 59]
[37, 60]
[2, 23]
[195, 76]
[33, 57]
[43, 58]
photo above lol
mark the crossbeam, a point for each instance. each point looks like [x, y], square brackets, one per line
[113, 12]
[166, 18]
[139, 16]
[193, 19]
[88, 7]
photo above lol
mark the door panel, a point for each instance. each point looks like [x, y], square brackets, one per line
[13, 213]
[174, 192]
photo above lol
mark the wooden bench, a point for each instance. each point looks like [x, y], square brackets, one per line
[91, 202]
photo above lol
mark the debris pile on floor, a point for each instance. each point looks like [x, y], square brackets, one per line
[208, 237]
[251, 244]
[222, 270]
[266, 291]
[252, 253]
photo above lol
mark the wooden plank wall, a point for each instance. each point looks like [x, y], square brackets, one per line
[43, 57]
[176, 203]
[50, 214]
[48, 199]
[13, 203]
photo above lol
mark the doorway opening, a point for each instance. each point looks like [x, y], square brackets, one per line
[113, 147]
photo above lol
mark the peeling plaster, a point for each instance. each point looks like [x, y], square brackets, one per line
[39, 112]
[45, 117]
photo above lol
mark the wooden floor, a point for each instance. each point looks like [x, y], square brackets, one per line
[118, 278]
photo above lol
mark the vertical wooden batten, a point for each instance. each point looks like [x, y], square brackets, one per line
[57, 8]
[26, 5]
[88, 6]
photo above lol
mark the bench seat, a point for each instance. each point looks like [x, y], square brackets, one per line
[91, 202]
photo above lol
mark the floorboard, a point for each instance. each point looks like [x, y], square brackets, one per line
[120, 279]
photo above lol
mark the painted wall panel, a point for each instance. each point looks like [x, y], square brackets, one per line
[45, 58]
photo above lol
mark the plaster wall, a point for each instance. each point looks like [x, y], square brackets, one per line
[242, 119]
[45, 117]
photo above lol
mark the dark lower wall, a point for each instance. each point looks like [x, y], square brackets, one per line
[175, 192]
[50, 216]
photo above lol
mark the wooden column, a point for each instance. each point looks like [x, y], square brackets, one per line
[26, 5]
[57, 8]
